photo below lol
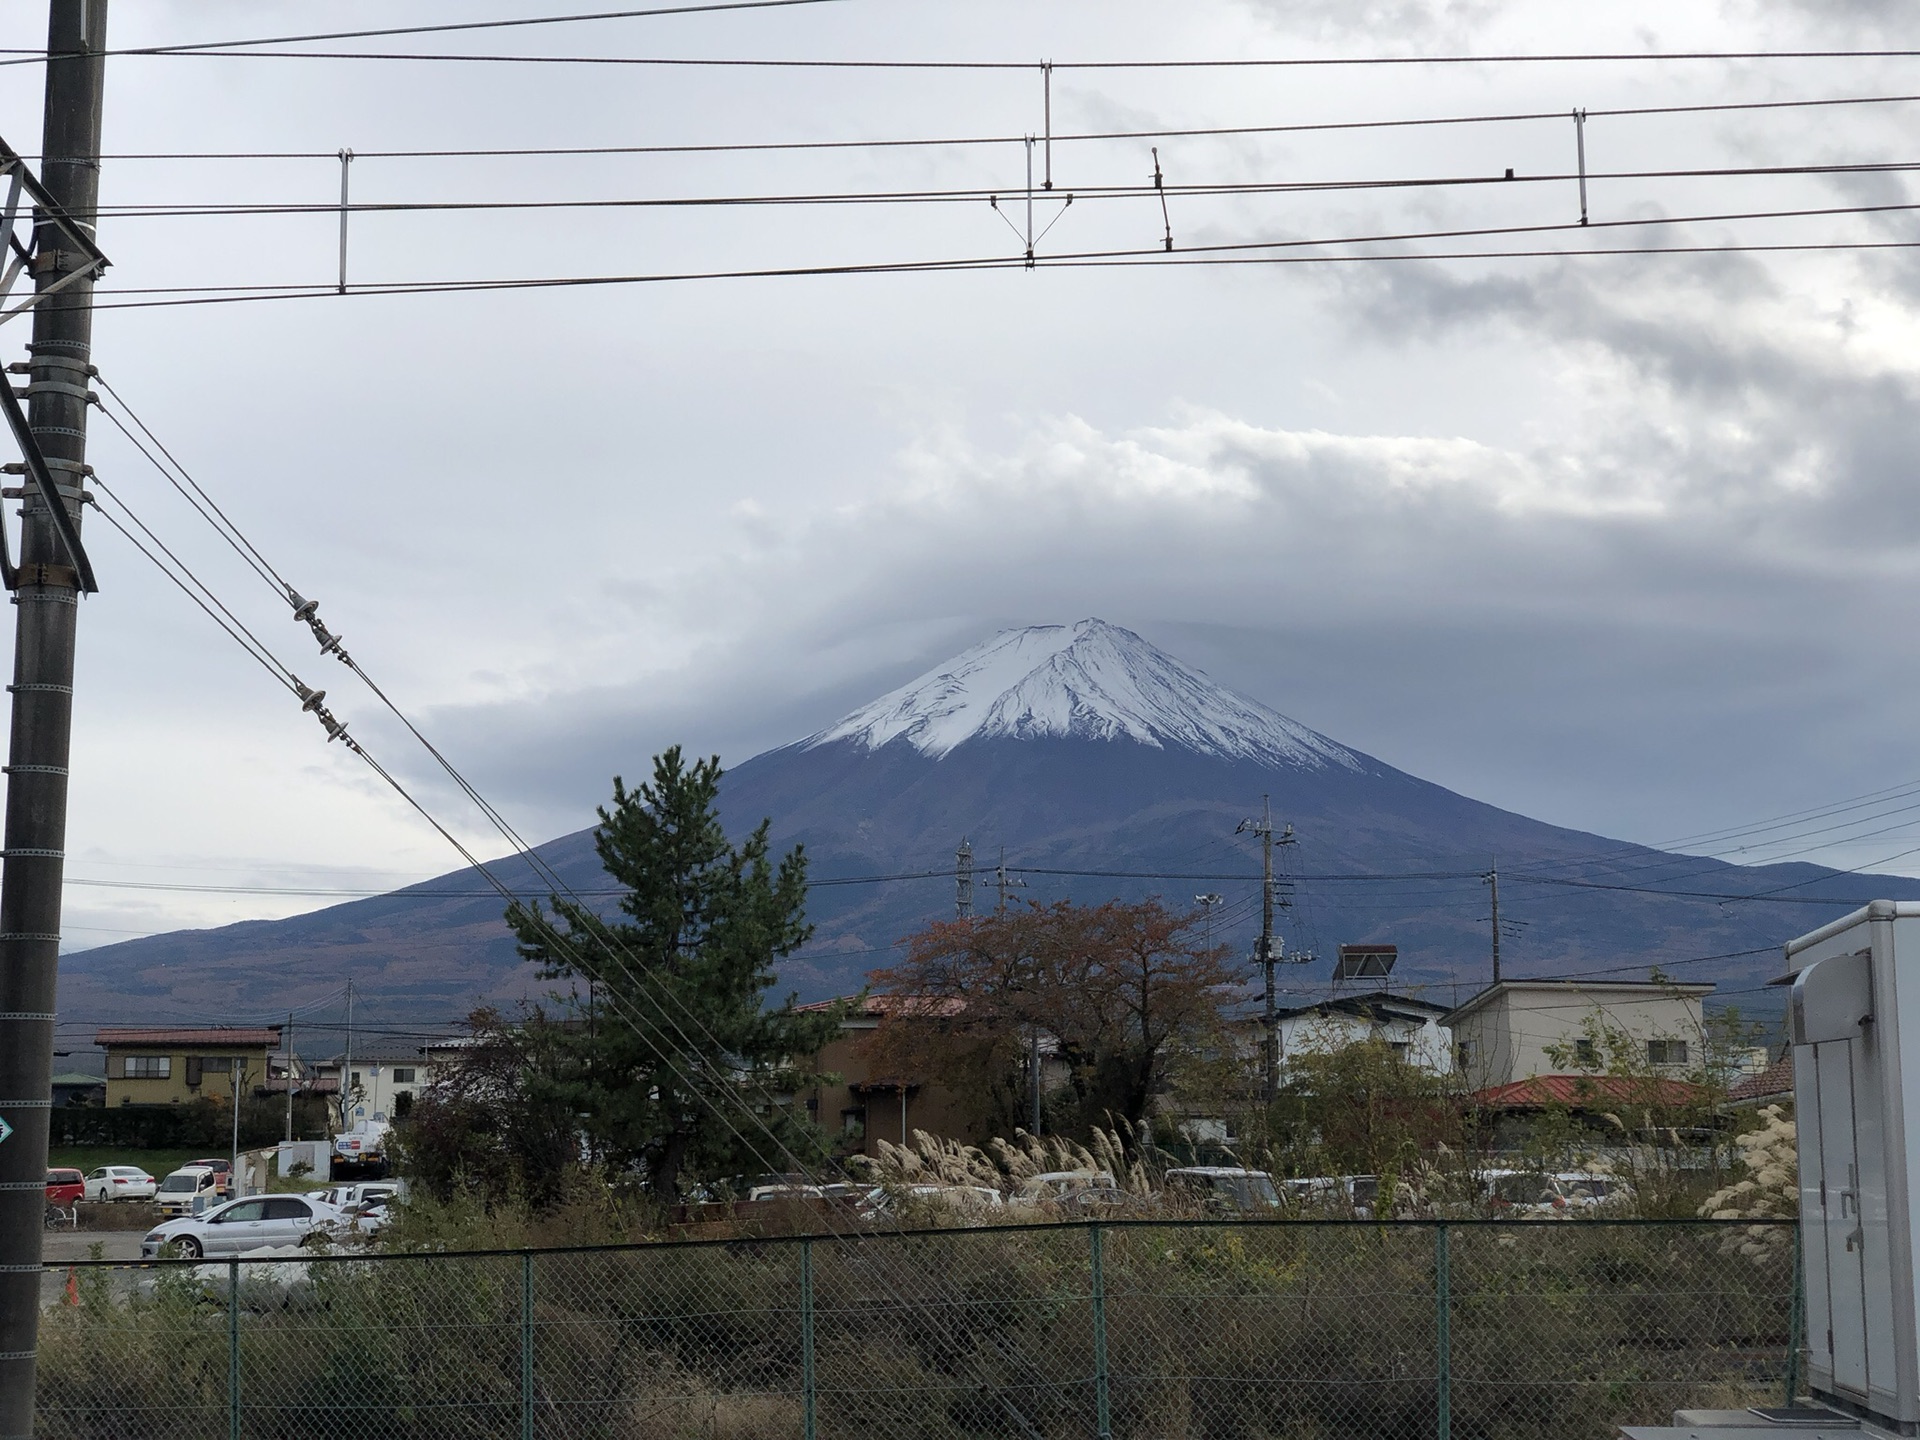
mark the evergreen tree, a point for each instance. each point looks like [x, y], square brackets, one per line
[672, 1057]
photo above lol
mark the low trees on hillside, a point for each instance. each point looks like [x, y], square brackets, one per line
[1125, 1000]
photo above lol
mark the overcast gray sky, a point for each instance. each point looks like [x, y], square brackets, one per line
[1626, 543]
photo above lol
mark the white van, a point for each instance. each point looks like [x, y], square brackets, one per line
[188, 1190]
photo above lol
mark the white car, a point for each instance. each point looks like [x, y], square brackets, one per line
[256, 1223]
[120, 1182]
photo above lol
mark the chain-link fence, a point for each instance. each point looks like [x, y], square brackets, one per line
[1137, 1330]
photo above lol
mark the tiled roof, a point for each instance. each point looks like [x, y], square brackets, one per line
[269, 1035]
[1580, 1092]
[1774, 1081]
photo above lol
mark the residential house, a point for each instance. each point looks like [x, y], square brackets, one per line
[1413, 1029]
[76, 1088]
[1506, 1032]
[169, 1067]
[384, 1079]
[863, 1106]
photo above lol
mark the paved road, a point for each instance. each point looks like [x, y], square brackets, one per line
[60, 1245]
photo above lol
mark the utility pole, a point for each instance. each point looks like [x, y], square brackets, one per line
[1492, 879]
[1271, 950]
[47, 602]
[288, 1068]
[346, 1068]
[963, 880]
[237, 1074]
[1003, 884]
[1206, 903]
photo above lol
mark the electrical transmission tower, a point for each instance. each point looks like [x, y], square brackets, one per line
[963, 880]
[53, 572]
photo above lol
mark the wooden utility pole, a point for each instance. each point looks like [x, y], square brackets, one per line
[47, 602]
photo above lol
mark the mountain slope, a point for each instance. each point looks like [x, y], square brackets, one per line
[1078, 749]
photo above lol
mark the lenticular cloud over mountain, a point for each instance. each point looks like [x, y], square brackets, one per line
[1090, 681]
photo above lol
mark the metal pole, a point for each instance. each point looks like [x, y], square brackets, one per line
[346, 1068]
[1580, 144]
[48, 606]
[233, 1350]
[809, 1395]
[289, 1077]
[346, 166]
[1033, 1078]
[1102, 1409]
[1796, 1324]
[1442, 1335]
[526, 1345]
[234, 1188]
[1493, 880]
[1270, 1049]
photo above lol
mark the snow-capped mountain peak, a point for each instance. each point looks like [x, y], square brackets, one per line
[1090, 681]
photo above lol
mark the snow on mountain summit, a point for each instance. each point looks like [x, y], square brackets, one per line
[1091, 681]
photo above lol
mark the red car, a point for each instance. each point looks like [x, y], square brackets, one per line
[65, 1188]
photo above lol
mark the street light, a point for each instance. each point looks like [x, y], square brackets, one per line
[1207, 902]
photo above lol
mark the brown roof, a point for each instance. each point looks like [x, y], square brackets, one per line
[1580, 1092]
[233, 1035]
[1774, 1081]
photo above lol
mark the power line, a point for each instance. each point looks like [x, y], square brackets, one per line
[974, 195]
[965, 141]
[1004, 66]
[206, 47]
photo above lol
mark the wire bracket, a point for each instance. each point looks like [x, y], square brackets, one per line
[307, 612]
[1580, 150]
[1160, 189]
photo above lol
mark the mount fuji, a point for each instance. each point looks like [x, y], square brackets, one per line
[1090, 764]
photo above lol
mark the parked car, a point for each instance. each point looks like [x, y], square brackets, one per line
[186, 1188]
[256, 1223]
[1340, 1196]
[1587, 1192]
[1224, 1187]
[120, 1182]
[1058, 1186]
[223, 1174]
[65, 1188]
[1519, 1194]
[975, 1200]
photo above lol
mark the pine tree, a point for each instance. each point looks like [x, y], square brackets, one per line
[672, 1056]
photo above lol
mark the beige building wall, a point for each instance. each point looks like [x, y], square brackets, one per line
[173, 1074]
[1503, 1033]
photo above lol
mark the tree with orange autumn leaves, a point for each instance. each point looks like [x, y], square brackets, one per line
[1123, 996]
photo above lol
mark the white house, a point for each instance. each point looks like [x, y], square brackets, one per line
[1411, 1028]
[382, 1082]
[1505, 1033]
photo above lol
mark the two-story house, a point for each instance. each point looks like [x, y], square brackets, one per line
[1517, 1029]
[148, 1066]
[1413, 1029]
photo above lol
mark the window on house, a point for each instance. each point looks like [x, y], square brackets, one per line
[853, 1122]
[403, 1105]
[403, 1075]
[355, 1080]
[1400, 1049]
[1584, 1055]
[149, 1067]
[1463, 1053]
[1666, 1052]
[217, 1064]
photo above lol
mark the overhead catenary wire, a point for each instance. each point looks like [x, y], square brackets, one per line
[1246, 62]
[206, 47]
[950, 142]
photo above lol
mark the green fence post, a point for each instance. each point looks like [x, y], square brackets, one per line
[1102, 1416]
[807, 1393]
[233, 1350]
[1796, 1324]
[526, 1345]
[1443, 1335]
